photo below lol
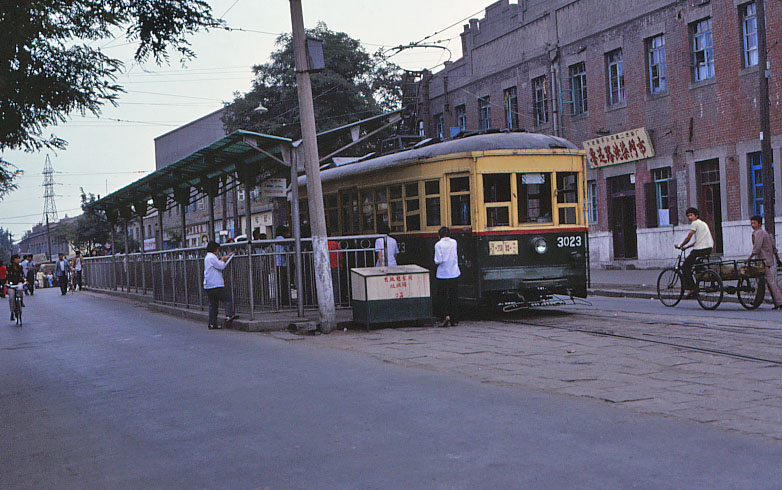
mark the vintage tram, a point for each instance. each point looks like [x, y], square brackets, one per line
[514, 201]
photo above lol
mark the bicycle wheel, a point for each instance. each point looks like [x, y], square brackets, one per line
[669, 287]
[751, 291]
[18, 313]
[709, 289]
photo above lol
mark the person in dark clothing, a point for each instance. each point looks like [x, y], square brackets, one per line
[32, 269]
[61, 269]
[15, 276]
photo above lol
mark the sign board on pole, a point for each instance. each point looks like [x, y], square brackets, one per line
[274, 187]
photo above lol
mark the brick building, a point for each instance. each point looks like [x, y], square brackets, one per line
[678, 79]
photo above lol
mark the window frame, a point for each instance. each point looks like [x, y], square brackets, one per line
[749, 20]
[451, 194]
[439, 126]
[540, 100]
[702, 36]
[592, 214]
[508, 205]
[461, 117]
[656, 57]
[510, 95]
[615, 77]
[484, 112]
[578, 88]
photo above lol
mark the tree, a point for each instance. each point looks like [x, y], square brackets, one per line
[6, 245]
[48, 69]
[90, 230]
[353, 86]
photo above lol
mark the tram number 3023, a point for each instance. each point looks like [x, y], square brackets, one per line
[568, 241]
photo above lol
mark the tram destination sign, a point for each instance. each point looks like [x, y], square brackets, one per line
[619, 148]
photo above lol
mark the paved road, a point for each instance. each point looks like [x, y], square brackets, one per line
[97, 392]
[686, 308]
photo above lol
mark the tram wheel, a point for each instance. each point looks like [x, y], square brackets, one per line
[710, 289]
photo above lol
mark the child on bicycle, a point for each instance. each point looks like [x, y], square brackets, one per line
[15, 276]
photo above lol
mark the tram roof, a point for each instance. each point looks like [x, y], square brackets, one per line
[467, 144]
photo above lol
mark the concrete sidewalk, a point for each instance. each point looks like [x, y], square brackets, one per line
[640, 283]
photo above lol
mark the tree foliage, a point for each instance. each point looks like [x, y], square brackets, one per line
[6, 245]
[355, 85]
[89, 230]
[49, 66]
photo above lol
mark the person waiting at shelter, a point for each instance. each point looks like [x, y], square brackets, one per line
[701, 247]
[385, 257]
[763, 247]
[214, 285]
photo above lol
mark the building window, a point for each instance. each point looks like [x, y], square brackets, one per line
[657, 80]
[439, 127]
[616, 77]
[749, 25]
[661, 178]
[240, 195]
[421, 131]
[541, 104]
[511, 108]
[756, 171]
[702, 50]
[484, 112]
[461, 117]
[578, 87]
[592, 201]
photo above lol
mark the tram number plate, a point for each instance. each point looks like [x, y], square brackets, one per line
[505, 247]
[568, 241]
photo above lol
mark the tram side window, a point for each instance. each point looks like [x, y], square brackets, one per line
[413, 207]
[432, 192]
[496, 189]
[460, 201]
[534, 197]
[567, 193]
[381, 205]
[332, 214]
[367, 211]
[397, 208]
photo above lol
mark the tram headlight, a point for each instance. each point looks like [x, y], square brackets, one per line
[540, 245]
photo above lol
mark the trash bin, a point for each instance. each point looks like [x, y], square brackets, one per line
[383, 295]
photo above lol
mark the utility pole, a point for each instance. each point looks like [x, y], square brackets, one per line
[314, 190]
[764, 72]
[49, 208]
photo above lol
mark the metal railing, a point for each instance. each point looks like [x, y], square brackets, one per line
[175, 277]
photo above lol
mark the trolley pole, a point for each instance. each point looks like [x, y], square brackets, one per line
[764, 72]
[314, 190]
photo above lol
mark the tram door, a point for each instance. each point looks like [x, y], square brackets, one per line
[709, 199]
[621, 217]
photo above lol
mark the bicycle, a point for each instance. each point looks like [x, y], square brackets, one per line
[18, 302]
[670, 284]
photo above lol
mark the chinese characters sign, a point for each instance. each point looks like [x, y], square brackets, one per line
[619, 148]
[507, 247]
[385, 283]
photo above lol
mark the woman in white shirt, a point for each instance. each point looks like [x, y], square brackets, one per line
[446, 256]
[214, 285]
[389, 257]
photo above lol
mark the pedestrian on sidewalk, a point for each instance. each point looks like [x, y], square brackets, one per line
[3, 275]
[764, 248]
[77, 271]
[701, 247]
[61, 270]
[25, 268]
[214, 285]
[446, 257]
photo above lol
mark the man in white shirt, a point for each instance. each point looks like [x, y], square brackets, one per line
[25, 269]
[446, 257]
[214, 285]
[389, 257]
[701, 247]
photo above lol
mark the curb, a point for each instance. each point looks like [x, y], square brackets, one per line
[618, 293]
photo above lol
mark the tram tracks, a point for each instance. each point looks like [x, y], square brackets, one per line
[662, 334]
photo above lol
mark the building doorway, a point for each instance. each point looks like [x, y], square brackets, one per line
[621, 217]
[709, 199]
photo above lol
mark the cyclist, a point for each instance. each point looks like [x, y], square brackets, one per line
[15, 276]
[702, 247]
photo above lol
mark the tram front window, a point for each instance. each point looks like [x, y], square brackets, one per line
[534, 197]
[460, 201]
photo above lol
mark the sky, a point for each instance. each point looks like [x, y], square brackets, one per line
[108, 152]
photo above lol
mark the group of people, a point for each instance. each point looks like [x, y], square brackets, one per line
[386, 248]
[763, 247]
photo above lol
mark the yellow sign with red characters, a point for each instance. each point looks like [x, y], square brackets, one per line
[619, 148]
